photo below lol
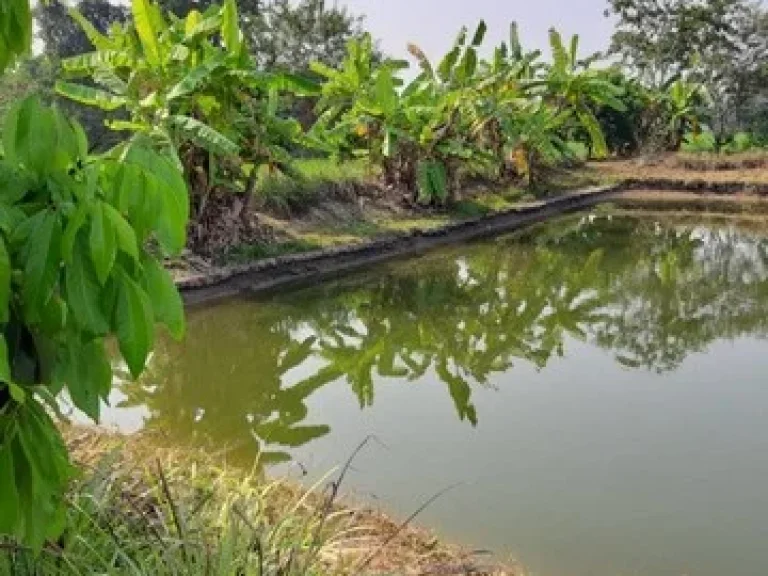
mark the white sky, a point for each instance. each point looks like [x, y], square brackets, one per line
[433, 24]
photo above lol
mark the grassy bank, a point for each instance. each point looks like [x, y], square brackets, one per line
[139, 508]
[326, 204]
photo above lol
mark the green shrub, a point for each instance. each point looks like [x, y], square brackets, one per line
[701, 143]
[741, 142]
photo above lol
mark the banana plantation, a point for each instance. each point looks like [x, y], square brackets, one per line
[190, 88]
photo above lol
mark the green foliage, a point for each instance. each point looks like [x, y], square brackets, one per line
[75, 269]
[15, 30]
[701, 142]
[464, 116]
[739, 143]
[130, 515]
[190, 86]
[162, 74]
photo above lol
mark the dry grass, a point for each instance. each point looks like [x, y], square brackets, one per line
[672, 167]
[753, 160]
[167, 496]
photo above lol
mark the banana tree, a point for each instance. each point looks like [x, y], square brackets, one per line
[685, 103]
[415, 134]
[500, 94]
[191, 86]
[572, 85]
[535, 138]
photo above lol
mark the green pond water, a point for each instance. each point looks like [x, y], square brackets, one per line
[595, 389]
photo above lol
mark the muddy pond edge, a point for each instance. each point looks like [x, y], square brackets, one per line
[269, 274]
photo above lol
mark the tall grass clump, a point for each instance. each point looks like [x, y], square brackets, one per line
[144, 516]
[311, 181]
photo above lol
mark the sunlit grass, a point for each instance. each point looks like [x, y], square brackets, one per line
[312, 181]
[325, 169]
[176, 515]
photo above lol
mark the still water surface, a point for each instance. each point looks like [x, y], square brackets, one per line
[596, 388]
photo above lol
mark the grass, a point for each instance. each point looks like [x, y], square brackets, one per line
[135, 514]
[262, 250]
[325, 170]
[140, 508]
[313, 181]
[679, 167]
[712, 161]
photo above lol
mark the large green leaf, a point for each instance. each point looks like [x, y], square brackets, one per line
[96, 38]
[110, 81]
[447, 64]
[83, 294]
[293, 83]
[204, 136]
[386, 95]
[467, 66]
[29, 136]
[324, 70]
[432, 181]
[197, 29]
[559, 53]
[5, 365]
[479, 36]
[165, 184]
[592, 125]
[134, 324]
[230, 28]
[5, 282]
[11, 132]
[194, 17]
[166, 301]
[103, 243]
[42, 471]
[90, 62]
[87, 373]
[42, 263]
[15, 30]
[9, 495]
[197, 77]
[126, 237]
[144, 21]
[90, 96]
[76, 221]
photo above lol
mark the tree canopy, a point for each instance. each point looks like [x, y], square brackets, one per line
[722, 44]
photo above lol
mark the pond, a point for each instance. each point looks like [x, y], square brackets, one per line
[593, 390]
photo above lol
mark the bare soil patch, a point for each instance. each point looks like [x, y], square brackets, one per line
[674, 167]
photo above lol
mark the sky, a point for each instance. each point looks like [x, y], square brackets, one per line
[433, 24]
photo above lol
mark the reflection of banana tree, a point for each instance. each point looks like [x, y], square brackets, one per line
[465, 321]
[669, 292]
[227, 384]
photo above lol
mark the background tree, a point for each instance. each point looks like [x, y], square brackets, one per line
[62, 37]
[292, 35]
[722, 44]
[60, 34]
[662, 39]
[288, 34]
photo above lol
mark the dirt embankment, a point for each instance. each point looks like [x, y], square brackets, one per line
[272, 273]
[675, 169]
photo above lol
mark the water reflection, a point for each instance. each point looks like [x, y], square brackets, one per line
[650, 291]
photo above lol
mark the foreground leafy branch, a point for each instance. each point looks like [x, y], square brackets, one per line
[75, 269]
